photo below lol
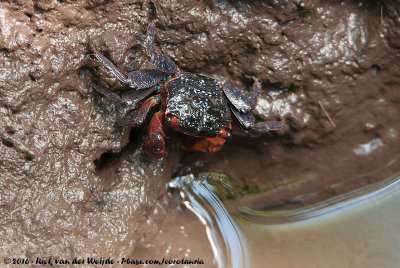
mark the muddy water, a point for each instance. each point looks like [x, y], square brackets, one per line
[73, 184]
[351, 230]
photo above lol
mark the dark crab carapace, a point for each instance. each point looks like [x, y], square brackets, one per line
[192, 104]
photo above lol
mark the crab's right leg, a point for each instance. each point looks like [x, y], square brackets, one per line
[158, 60]
[110, 66]
[132, 97]
[247, 122]
[155, 145]
[108, 93]
[145, 78]
[138, 79]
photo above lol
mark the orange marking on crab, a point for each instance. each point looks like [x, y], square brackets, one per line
[223, 133]
[211, 145]
[174, 122]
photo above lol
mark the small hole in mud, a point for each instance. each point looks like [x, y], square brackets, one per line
[38, 10]
[39, 30]
[151, 14]
[83, 72]
[10, 131]
[32, 78]
[4, 51]
[107, 54]
[28, 15]
[108, 159]
[8, 143]
[29, 157]
[103, 160]
[375, 68]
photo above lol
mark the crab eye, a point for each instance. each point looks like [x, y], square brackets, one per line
[157, 99]
[164, 78]
[158, 87]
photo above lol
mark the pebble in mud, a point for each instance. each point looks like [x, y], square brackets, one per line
[52, 199]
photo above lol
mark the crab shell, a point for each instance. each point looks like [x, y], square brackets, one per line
[195, 105]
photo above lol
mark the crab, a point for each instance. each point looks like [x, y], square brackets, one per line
[192, 104]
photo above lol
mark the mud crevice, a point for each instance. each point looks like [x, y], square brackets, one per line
[110, 160]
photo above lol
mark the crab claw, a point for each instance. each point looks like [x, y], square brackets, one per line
[154, 146]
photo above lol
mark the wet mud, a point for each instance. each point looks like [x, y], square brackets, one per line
[73, 183]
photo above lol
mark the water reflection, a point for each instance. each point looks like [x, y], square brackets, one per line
[224, 235]
[359, 229]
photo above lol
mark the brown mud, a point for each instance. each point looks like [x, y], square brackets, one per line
[73, 184]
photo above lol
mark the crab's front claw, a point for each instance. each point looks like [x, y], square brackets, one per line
[155, 145]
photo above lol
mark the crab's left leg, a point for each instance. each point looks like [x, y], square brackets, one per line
[241, 101]
[155, 145]
[158, 60]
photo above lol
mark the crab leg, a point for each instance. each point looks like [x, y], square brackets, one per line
[241, 101]
[265, 126]
[158, 60]
[134, 96]
[155, 144]
[247, 120]
[137, 79]
[254, 94]
[108, 93]
[145, 78]
[141, 113]
[110, 66]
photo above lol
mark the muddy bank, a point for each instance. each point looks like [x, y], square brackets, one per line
[72, 183]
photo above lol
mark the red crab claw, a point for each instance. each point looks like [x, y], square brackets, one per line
[155, 145]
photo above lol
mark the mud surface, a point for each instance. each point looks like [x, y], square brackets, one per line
[73, 184]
